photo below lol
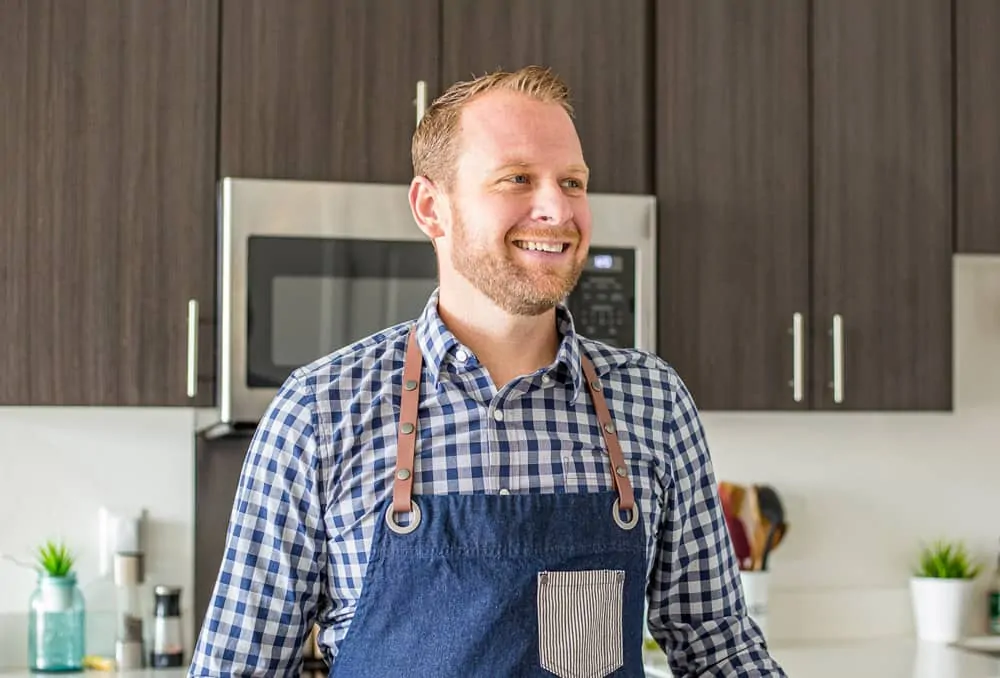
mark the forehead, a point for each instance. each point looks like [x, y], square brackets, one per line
[501, 128]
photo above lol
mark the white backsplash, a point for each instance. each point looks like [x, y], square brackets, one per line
[58, 467]
[861, 490]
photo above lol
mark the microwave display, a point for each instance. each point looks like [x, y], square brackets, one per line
[603, 301]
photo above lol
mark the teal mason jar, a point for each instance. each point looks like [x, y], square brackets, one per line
[56, 626]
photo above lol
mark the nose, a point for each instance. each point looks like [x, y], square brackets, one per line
[551, 205]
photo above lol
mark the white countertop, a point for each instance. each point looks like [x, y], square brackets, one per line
[892, 658]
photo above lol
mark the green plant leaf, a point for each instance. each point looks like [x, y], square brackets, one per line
[55, 559]
[946, 560]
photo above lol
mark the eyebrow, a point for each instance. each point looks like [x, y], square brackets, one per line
[582, 169]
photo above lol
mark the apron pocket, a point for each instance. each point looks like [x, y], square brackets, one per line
[580, 622]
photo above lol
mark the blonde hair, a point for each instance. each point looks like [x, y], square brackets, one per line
[435, 142]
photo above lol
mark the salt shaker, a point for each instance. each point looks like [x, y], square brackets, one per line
[168, 648]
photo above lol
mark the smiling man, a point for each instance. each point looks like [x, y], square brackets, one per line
[483, 491]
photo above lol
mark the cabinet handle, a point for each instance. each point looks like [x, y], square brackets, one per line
[796, 382]
[837, 332]
[421, 100]
[192, 371]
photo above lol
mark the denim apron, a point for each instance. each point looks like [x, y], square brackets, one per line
[496, 586]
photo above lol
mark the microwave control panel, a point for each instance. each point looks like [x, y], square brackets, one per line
[603, 301]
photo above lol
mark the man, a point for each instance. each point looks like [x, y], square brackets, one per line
[482, 491]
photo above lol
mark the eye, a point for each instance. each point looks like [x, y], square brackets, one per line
[518, 179]
[573, 183]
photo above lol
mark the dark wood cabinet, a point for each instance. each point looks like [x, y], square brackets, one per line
[804, 166]
[732, 150]
[977, 108]
[107, 205]
[15, 162]
[601, 49]
[882, 226]
[323, 90]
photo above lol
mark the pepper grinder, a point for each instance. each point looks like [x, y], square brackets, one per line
[128, 576]
[168, 647]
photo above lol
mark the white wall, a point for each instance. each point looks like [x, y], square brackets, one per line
[861, 489]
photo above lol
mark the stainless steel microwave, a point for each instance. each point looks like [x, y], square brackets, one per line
[308, 267]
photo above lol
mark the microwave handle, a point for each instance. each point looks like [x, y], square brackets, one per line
[421, 100]
[192, 348]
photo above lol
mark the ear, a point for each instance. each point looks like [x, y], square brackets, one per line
[429, 206]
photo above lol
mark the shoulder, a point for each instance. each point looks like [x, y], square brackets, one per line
[355, 365]
[635, 367]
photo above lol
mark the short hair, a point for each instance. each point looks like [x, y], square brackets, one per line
[434, 148]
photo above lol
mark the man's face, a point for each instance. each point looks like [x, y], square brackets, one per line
[520, 219]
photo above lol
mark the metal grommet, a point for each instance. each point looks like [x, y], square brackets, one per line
[410, 385]
[621, 471]
[617, 515]
[596, 384]
[403, 474]
[609, 427]
[406, 428]
[390, 519]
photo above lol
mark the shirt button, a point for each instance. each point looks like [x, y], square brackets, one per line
[546, 378]
[498, 415]
[461, 355]
[504, 491]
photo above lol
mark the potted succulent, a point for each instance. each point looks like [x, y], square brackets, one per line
[56, 613]
[941, 591]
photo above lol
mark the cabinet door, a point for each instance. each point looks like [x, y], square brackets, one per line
[732, 185]
[977, 25]
[324, 89]
[15, 161]
[113, 131]
[883, 205]
[601, 50]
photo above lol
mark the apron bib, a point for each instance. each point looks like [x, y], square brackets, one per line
[488, 585]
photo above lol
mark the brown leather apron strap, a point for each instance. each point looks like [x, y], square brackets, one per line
[619, 472]
[402, 490]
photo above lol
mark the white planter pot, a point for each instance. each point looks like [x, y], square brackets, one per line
[940, 607]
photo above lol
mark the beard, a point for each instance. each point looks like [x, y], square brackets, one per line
[517, 289]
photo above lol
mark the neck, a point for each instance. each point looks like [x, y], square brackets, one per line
[508, 346]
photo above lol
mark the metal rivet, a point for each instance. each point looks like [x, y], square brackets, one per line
[596, 384]
[609, 427]
[403, 474]
[406, 428]
[410, 385]
[620, 471]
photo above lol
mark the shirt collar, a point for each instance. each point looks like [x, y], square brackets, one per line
[438, 345]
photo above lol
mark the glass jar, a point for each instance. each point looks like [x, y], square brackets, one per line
[56, 625]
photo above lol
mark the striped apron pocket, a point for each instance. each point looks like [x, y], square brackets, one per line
[580, 622]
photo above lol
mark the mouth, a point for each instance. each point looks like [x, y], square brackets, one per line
[542, 246]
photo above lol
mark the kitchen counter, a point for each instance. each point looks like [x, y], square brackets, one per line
[892, 658]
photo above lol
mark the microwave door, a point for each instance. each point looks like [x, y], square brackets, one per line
[309, 297]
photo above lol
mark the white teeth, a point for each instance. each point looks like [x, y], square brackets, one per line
[540, 246]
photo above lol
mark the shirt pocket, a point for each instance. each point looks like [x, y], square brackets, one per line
[586, 468]
[580, 622]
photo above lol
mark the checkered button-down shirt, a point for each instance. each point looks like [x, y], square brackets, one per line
[321, 462]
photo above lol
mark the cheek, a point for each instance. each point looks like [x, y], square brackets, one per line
[582, 218]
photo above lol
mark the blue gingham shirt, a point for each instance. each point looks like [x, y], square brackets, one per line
[321, 464]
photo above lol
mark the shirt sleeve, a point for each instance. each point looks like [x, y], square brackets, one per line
[697, 612]
[273, 568]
